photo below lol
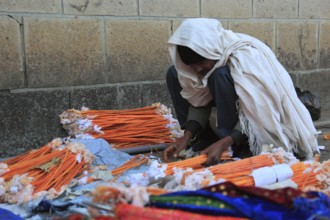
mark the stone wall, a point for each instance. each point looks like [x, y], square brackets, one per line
[112, 54]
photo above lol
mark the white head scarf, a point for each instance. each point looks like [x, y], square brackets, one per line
[270, 112]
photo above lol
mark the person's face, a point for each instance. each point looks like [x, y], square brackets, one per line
[203, 67]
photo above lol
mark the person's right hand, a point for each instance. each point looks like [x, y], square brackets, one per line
[215, 150]
[175, 148]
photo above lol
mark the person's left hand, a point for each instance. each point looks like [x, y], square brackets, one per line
[215, 150]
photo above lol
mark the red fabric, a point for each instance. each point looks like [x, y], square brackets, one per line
[281, 196]
[104, 218]
[130, 212]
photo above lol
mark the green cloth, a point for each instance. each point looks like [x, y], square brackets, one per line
[189, 200]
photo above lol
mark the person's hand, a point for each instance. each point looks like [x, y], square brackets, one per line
[215, 151]
[175, 148]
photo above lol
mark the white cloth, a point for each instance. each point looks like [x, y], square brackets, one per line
[270, 112]
[269, 175]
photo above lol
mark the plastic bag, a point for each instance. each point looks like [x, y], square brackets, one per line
[311, 102]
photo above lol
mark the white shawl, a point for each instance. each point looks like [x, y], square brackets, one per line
[270, 112]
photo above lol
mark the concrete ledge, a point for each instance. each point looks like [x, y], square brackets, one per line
[30, 119]
[324, 120]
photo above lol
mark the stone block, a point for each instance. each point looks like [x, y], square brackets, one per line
[31, 6]
[318, 83]
[137, 50]
[176, 23]
[263, 31]
[226, 8]
[224, 23]
[294, 77]
[173, 8]
[324, 45]
[96, 97]
[155, 92]
[314, 9]
[11, 58]
[119, 96]
[64, 51]
[275, 9]
[97, 7]
[297, 45]
[129, 96]
[30, 120]
[113, 96]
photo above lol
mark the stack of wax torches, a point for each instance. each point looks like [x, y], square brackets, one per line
[306, 175]
[45, 171]
[124, 128]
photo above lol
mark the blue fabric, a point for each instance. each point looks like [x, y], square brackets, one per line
[253, 207]
[8, 215]
[316, 208]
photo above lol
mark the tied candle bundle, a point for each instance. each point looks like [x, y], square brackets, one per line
[165, 169]
[135, 161]
[124, 128]
[193, 162]
[190, 173]
[260, 170]
[312, 175]
[46, 171]
[237, 171]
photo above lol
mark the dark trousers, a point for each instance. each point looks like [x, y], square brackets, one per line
[224, 96]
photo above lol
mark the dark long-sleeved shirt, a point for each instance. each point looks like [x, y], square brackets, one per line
[198, 118]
